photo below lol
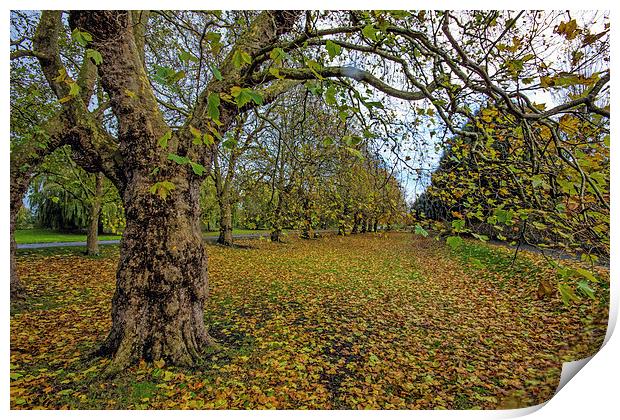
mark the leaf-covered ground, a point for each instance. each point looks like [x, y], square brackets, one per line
[366, 321]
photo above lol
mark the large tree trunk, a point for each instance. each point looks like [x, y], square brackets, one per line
[158, 306]
[17, 289]
[92, 237]
[18, 185]
[226, 237]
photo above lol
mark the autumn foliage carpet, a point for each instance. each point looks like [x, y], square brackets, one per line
[365, 321]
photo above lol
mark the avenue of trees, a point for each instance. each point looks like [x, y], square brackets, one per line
[285, 119]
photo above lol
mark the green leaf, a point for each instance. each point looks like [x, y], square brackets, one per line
[586, 274]
[419, 230]
[330, 95]
[162, 189]
[256, 97]
[229, 144]
[181, 160]
[454, 242]
[74, 90]
[568, 294]
[216, 73]
[198, 168]
[247, 58]
[482, 238]
[186, 57]
[315, 67]
[370, 32]
[355, 152]
[537, 180]
[163, 140]
[241, 57]
[373, 104]
[208, 139]
[458, 225]
[277, 55]
[585, 289]
[333, 49]
[276, 73]
[245, 95]
[94, 55]
[213, 107]
[81, 37]
[195, 132]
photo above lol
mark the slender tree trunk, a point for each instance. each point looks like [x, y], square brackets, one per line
[92, 237]
[307, 232]
[356, 224]
[364, 224]
[375, 224]
[225, 237]
[276, 232]
[158, 306]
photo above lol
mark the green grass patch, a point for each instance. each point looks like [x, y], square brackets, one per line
[39, 236]
[484, 258]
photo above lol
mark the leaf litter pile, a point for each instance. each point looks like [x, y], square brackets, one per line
[368, 321]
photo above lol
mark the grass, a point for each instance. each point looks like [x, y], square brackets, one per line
[38, 236]
[366, 321]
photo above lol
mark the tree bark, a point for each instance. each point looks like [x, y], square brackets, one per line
[226, 237]
[92, 237]
[161, 281]
[17, 288]
[276, 231]
[356, 223]
[158, 306]
[307, 232]
[18, 185]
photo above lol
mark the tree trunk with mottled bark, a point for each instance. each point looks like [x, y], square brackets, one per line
[276, 232]
[18, 186]
[92, 236]
[158, 306]
[17, 288]
[226, 237]
[356, 223]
